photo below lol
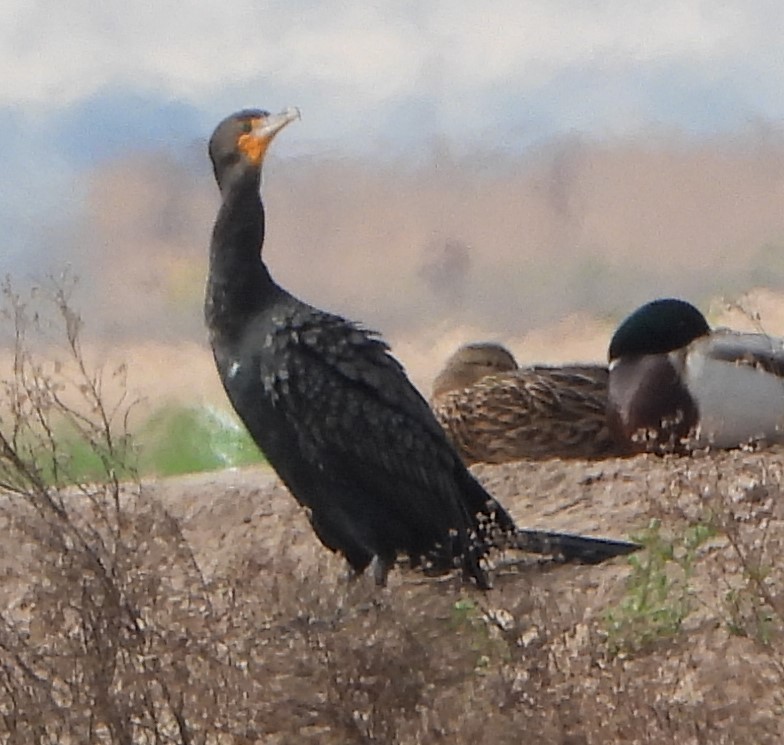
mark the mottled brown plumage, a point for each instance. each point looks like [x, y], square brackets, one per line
[495, 412]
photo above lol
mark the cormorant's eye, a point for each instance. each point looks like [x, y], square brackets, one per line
[247, 127]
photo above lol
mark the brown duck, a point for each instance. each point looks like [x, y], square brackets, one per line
[494, 411]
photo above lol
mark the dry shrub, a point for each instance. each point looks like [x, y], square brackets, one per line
[112, 633]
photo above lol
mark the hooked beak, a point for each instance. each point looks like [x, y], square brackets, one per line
[269, 126]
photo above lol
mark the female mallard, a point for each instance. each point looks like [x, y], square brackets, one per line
[495, 412]
[677, 386]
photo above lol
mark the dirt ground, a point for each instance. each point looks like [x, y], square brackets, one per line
[718, 678]
[536, 659]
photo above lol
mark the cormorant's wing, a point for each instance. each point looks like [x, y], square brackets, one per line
[359, 419]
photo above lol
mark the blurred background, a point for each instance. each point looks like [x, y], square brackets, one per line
[523, 172]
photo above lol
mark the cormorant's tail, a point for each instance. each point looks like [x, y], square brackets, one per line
[570, 547]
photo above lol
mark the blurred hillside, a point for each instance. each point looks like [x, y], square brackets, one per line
[505, 243]
[545, 250]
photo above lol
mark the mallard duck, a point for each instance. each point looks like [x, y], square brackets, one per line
[495, 412]
[678, 386]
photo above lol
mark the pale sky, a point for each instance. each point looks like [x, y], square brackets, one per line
[86, 81]
[475, 65]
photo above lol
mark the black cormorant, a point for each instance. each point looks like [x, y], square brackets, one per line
[334, 412]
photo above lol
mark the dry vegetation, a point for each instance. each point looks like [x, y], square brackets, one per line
[202, 610]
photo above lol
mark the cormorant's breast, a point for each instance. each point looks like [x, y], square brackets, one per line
[254, 361]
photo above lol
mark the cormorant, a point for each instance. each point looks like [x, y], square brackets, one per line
[333, 411]
[494, 411]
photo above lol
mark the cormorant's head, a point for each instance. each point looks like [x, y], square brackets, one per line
[658, 327]
[240, 141]
[470, 363]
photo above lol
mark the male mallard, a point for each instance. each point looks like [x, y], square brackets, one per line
[495, 412]
[677, 386]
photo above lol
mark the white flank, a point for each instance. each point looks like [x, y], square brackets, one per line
[738, 402]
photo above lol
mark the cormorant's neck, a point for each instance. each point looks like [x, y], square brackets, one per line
[239, 282]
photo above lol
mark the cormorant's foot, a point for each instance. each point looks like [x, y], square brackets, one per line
[480, 577]
[380, 568]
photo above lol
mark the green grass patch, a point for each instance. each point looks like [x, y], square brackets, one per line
[658, 594]
[180, 439]
[75, 458]
[173, 440]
